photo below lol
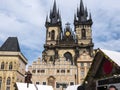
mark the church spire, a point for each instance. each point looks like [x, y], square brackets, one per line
[54, 8]
[55, 18]
[82, 15]
[81, 8]
[81, 12]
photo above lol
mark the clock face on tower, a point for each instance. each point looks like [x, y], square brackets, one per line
[67, 33]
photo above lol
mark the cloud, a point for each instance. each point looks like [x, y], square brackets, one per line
[110, 45]
[26, 19]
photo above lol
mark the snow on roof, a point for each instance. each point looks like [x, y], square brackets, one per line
[113, 55]
[44, 87]
[73, 87]
[23, 86]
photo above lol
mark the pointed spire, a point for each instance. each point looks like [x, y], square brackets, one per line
[54, 7]
[81, 8]
[81, 16]
[58, 15]
[90, 17]
[54, 14]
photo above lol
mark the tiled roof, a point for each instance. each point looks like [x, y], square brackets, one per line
[11, 44]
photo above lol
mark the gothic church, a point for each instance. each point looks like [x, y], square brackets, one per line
[67, 53]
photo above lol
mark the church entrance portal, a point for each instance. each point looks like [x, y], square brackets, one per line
[51, 81]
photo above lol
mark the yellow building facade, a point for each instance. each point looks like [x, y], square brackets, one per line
[12, 64]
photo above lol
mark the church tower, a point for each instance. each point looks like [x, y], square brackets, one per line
[83, 23]
[67, 53]
[53, 26]
[53, 34]
[83, 32]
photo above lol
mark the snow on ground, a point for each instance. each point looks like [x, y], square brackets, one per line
[73, 87]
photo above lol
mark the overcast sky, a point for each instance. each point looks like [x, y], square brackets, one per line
[26, 19]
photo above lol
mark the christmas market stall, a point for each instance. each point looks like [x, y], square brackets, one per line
[104, 71]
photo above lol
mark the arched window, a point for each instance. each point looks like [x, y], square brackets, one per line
[8, 83]
[83, 34]
[10, 66]
[0, 83]
[2, 65]
[68, 57]
[53, 35]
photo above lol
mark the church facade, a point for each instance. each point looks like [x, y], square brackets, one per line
[67, 54]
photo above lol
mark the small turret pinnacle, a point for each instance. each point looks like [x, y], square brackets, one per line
[47, 19]
[90, 17]
[86, 12]
[78, 12]
[58, 13]
[75, 17]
